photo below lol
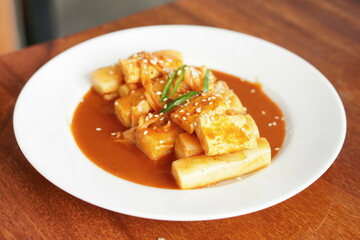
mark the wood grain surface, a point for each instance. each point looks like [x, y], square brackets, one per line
[324, 32]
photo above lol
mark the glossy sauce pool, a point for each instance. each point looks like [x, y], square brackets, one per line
[94, 121]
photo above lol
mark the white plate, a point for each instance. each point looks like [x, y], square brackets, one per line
[313, 111]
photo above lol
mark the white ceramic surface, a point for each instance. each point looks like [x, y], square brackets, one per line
[313, 111]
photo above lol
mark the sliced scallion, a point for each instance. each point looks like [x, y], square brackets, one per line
[206, 80]
[178, 81]
[168, 85]
[179, 101]
[164, 94]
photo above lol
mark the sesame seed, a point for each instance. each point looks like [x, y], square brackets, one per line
[176, 115]
[263, 112]
[145, 132]
[195, 124]
[187, 114]
[204, 100]
[161, 113]
[98, 129]
[165, 106]
[277, 117]
[184, 118]
[194, 73]
[161, 141]
[212, 118]
[242, 129]
[209, 98]
[270, 124]
[277, 149]
[146, 118]
[161, 119]
[111, 72]
[162, 81]
[158, 93]
[161, 61]
[213, 97]
[198, 110]
[245, 109]
[165, 99]
[274, 123]
[203, 94]
[252, 90]
[210, 103]
[196, 103]
[116, 103]
[153, 61]
[182, 110]
[282, 118]
[113, 133]
[156, 115]
[150, 115]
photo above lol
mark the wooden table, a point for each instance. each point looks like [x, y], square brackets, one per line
[325, 33]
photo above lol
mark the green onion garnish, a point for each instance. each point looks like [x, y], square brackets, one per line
[206, 80]
[178, 81]
[168, 84]
[178, 101]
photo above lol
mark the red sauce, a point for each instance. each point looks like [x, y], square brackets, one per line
[94, 121]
